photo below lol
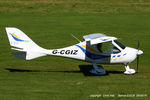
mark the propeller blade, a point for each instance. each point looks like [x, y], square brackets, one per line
[138, 45]
[137, 63]
[138, 56]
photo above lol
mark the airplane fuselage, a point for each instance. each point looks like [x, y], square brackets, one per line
[82, 51]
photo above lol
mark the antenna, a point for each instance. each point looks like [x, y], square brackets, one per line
[76, 38]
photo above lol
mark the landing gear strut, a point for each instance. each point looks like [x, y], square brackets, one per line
[97, 70]
[128, 70]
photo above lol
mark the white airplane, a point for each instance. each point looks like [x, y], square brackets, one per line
[96, 48]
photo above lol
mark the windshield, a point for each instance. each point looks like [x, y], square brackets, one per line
[120, 44]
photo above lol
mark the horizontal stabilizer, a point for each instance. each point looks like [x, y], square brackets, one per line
[21, 55]
[28, 55]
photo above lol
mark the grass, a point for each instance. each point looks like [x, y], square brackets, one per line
[53, 85]
[50, 24]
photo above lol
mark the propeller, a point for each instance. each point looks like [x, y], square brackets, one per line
[137, 62]
[138, 56]
[139, 52]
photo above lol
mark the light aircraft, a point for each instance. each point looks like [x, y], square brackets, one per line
[96, 48]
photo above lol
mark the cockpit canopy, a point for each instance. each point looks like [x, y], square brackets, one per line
[103, 43]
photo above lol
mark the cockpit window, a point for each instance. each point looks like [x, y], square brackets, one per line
[120, 44]
[107, 48]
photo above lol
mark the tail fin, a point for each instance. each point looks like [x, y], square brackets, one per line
[23, 43]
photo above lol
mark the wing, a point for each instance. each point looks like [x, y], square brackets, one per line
[97, 38]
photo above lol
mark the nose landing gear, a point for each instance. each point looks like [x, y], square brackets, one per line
[128, 70]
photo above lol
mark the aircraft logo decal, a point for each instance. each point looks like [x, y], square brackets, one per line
[15, 37]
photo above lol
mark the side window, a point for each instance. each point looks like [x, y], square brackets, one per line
[107, 48]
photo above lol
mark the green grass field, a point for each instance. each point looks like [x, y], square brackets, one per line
[50, 24]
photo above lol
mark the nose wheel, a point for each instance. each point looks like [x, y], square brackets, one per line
[97, 70]
[128, 70]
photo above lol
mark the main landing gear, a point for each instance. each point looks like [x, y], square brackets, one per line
[97, 70]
